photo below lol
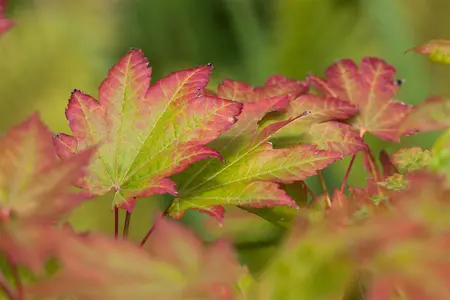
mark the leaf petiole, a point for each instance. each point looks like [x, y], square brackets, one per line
[324, 188]
[162, 216]
[116, 222]
[350, 165]
[126, 225]
[347, 173]
[309, 191]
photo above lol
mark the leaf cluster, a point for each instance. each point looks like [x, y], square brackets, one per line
[242, 149]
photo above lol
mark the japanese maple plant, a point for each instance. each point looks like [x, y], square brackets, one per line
[241, 147]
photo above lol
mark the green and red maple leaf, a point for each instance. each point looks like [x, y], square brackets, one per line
[322, 127]
[252, 170]
[175, 264]
[144, 134]
[35, 191]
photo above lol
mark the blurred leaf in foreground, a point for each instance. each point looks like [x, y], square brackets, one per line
[437, 50]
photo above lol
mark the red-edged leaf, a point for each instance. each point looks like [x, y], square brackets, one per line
[146, 134]
[35, 191]
[34, 184]
[335, 136]
[174, 265]
[5, 24]
[318, 128]
[252, 168]
[437, 50]
[430, 115]
[322, 108]
[275, 85]
[372, 87]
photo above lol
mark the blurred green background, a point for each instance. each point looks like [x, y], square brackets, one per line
[59, 45]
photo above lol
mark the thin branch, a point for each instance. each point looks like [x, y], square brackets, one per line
[374, 170]
[126, 225]
[7, 288]
[373, 166]
[116, 222]
[347, 173]
[324, 188]
[162, 216]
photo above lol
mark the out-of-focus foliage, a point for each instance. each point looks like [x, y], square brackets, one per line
[437, 50]
[54, 47]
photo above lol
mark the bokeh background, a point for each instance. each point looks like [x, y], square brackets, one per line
[59, 45]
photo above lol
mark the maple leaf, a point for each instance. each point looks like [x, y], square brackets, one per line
[276, 85]
[410, 159]
[34, 183]
[174, 264]
[430, 115]
[437, 50]
[253, 169]
[5, 24]
[145, 134]
[35, 190]
[372, 88]
[320, 127]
